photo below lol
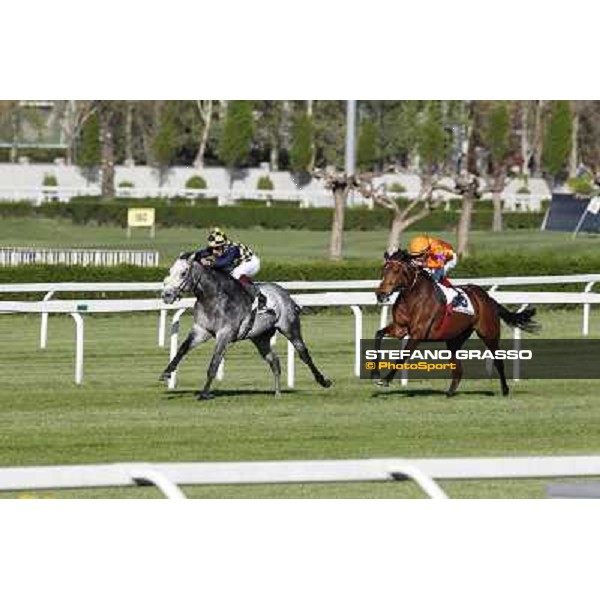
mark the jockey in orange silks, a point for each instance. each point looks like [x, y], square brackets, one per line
[435, 255]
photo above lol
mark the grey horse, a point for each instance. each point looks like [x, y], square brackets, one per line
[224, 310]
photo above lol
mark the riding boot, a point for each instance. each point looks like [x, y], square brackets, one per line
[255, 293]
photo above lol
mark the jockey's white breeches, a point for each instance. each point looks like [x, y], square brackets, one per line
[450, 264]
[249, 268]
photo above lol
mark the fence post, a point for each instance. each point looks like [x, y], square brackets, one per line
[162, 327]
[78, 347]
[174, 343]
[44, 325]
[290, 364]
[586, 311]
[358, 327]
[517, 346]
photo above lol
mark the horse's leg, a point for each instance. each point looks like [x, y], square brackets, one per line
[453, 346]
[492, 344]
[488, 329]
[263, 345]
[391, 330]
[196, 336]
[224, 338]
[294, 334]
[411, 344]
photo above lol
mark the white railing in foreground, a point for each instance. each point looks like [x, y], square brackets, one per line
[494, 283]
[167, 477]
[353, 300]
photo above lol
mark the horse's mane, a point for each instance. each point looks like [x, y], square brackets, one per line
[400, 255]
[223, 280]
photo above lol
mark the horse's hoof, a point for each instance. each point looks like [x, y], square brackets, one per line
[164, 376]
[505, 392]
[326, 383]
[382, 383]
[205, 396]
[450, 394]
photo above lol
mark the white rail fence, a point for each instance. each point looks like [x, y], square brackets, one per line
[355, 301]
[14, 257]
[167, 477]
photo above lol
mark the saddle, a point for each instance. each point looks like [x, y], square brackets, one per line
[454, 299]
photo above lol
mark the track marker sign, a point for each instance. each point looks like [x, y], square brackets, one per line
[141, 217]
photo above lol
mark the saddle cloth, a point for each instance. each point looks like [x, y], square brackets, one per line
[451, 293]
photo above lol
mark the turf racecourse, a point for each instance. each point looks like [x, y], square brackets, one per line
[122, 413]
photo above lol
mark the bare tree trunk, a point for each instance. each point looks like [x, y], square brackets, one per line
[525, 137]
[309, 112]
[206, 115]
[538, 138]
[108, 155]
[69, 130]
[129, 134]
[396, 230]
[574, 158]
[274, 155]
[337, 226]
[464, 225]
[497, 218]
[14, 148]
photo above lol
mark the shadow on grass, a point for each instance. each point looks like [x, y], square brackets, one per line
[227, 393]
[426, 393]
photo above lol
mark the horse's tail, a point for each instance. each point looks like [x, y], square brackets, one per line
[523, 319]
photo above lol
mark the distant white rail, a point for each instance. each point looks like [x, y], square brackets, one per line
[16, 257]
[167, 477]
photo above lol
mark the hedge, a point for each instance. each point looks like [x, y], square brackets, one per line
[179, 214]
[482, 266]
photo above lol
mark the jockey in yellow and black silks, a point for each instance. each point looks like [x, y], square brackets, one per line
[234, 258]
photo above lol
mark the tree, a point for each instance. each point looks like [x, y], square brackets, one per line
[340, 185]
[205, 110]
[574, 153]
[404, 214]
[366, 151]
[10, 111]
[237, 133]
[302, 149]
[495, 134]
[557, 141]
[75, 116]
[431, 141]
[269, 129]
[89, 154]
[164, 144]
[329, 121]
[108, 115]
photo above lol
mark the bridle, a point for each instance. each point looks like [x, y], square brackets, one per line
[402, 289]
[186, 282]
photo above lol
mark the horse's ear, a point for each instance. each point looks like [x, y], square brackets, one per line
[386, 255]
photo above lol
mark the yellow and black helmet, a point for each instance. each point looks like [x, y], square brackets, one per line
[217, 238]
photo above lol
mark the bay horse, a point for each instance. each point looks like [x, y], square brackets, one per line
[223, 311]
[420, 314]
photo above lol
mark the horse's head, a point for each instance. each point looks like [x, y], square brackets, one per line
[178, 280]
[399, 274]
